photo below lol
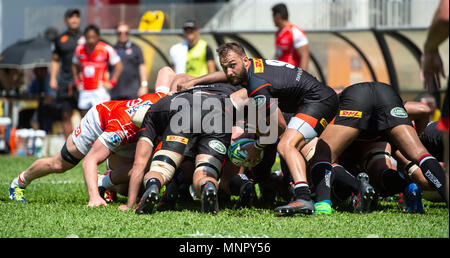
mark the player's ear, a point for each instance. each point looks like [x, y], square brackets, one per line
[246, 60]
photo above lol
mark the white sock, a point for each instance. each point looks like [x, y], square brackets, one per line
[105, 181]
[19, 181]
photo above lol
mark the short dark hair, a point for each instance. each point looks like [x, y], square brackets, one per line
[230, 46]
[281, 9]
[92, 27]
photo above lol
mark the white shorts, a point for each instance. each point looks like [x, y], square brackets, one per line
[89, 130]
[90, 98]
[303, 127]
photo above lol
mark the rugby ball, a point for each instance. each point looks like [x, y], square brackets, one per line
[236, 156]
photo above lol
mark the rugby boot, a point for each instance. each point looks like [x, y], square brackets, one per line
[298, 206]
[169, 198]
[209, 200]
[246, 195]
[413, 198]
[17, 194]
[149, 199]
[361, 202]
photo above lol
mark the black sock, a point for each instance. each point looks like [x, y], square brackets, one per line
[236, 182]
[322, 177]
[393, 182]
[153, 181]
[434, 173]
[301, 191]
[341, 175]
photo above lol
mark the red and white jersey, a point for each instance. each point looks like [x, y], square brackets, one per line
[110, 122]
[288, 39]
[115, 118]
[94, 64]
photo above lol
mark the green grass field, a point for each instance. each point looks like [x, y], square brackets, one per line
[57, 209]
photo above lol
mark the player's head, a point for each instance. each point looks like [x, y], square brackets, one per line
[92, 35]
[279, 14]
[190, 31]
[72, 19]
[122, 31]
[234, 62]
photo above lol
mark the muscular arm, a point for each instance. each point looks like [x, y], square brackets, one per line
[54, 69]
[143, 153]
[303, 52]
[210, 78]
[95, 156]
[438, 31]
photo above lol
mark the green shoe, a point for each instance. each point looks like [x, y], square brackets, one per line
[323, 207]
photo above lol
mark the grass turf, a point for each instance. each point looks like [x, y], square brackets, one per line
[57, 209]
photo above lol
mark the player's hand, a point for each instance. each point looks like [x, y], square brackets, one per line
[185, 85]
[253, 155]
[96, 202]
[107, 85]
[431, 70]
[53, 84]
[142, 91]
[124, 207]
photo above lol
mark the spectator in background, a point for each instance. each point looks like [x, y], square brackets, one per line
[432, 69]
[61, 78]
[40, 87]
[90, 61]
[193, 56]
[132, 82]
[291, 43]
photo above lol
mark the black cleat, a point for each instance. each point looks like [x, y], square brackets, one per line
[148, 200]
[209, 199]
[361, 202]
[246, 195]
[169, 198]
[298, 206]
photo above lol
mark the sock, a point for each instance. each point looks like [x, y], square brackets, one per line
[153, 181]
[236, 182]
[322, 177]
[434, 173]
[393, 182]
[341, 175]
[301, 191]
[105, 181]
[20, 182]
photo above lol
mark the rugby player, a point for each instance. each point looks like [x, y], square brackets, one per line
[89, 68]
[298, 92]
[369, 111]
[105, 132]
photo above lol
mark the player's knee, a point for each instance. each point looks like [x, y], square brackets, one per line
[165, 163]
[208, 166]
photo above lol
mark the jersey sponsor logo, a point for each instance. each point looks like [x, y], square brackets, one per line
[132, 110]
[64, 38]
[258, 65]
[399, 112]
[350, 113]
[115, 138]
[176, 138]
[323, 122]
[217, 146]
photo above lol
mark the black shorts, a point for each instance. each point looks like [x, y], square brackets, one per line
[67, 96]
[312, 118]
[371, 107]
[191, 138]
